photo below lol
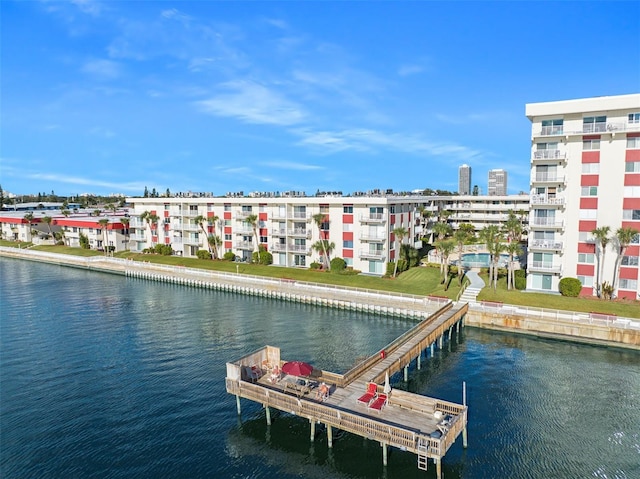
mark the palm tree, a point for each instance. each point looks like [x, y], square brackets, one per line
[104, 223]
[497, 248]
[324, 248]
[28, 217]
[319, 221]
[400, 234]
[125, 223]
[602, 240]
[214, 241]
[199, 220]
[48, 220]
[65, 213]
[489, 235]
[512, 227]
[461, 236]
[253, 221]
[212, 220]
[442, 230]
[445, 247]
[622, 240]
[513, 248]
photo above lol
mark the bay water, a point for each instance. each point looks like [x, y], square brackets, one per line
[103, 376]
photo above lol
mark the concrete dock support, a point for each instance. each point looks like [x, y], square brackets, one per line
[419, 361]
[268, 413]
[441, 341]
[432, 347]
[384, 453]
[438, 467]
[450, 329]
[406, 373]
[329, 436]
[464, 437]
[238, 404]
[313, 429]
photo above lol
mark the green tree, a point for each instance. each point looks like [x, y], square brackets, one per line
[48, 220]
[621, 241]
[400, 233]
[319, 220]
[214, 242]
[513, 228]
[253, 221]
[445, 248]
[601, 236]
[217, 242]
[28, 217]
[324, 248]
[104, 224]
[442, 230]
[200, 220]
[125, 224]
[461, 236]
[513, 248]
[492, 238]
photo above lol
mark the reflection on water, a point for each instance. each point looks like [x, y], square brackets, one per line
[106, 376]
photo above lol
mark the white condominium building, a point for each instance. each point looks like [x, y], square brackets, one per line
[464, 180]
[497, 183]
[585, 174]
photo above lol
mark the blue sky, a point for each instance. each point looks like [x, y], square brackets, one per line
[110, 97]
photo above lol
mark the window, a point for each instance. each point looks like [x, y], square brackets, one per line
[594, 124]
[591, 168]
[632, 191]
[586, 258]
[392, 209]
[348, 209]
[629, 284]
[347, 226]
[347, 244]
[634, 117]
[589, 191]
[227, 207]
[246, 209]
[632, 167]
[348, 261]
[547, 146]
[228, 237]
[588, 214]
[635, 239]
[629, 261]
[633, 143]
[263, 239]
[552, 127]
[591, 145]
[227, 222]
[631, 215]
[324, 209]
[584, 236]
[586, 280]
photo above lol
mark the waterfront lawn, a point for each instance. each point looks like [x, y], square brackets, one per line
[418, 281]
[60, 249]
[628, 309]
[15, 244]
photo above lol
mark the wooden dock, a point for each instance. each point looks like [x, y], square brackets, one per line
[425, 426]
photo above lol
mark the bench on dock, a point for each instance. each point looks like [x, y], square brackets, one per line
[409, 401]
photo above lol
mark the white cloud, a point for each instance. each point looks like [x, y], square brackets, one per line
[102, 69]
[291, 165]
[253, 103]
[75, 180]
[406, 70]
[90, 7]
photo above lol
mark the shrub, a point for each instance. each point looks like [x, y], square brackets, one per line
[262, 257]
[229, 256]
[84, 241]
[520, 279]
[315, 265]
[390, 269]
[570, 287]
[163, 249]
[338, 265]
[203, 254]
[403, 265]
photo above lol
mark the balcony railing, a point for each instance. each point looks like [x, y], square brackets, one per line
[243, 213]
[373, 218]
[243, 231]
[190, 240]
[137, 237]
[278, 247]
[547, 178]
[246, 245]
[189, 227]
[546, 200]
[549, 155]
[375, 254]
[299, 248]
[551, 131]
[370, 237]
[278, 232]
[300, 215]
[300, 232]
[546, 244]
[548, 222]
[594, 127]
[544, 266]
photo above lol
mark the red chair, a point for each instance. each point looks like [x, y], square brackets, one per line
[378, 403]
[370, 395]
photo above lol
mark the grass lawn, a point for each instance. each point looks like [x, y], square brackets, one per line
[626, 308]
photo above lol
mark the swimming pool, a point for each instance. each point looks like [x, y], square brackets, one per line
[481, 260]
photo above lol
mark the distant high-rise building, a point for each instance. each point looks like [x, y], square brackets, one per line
[497, 183]
[464, 180]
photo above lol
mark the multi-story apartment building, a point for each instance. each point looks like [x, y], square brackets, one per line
[497, 183]
[585, 174]
[464, 180]
[361, 228]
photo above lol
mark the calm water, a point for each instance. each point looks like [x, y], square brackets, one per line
[103, 376]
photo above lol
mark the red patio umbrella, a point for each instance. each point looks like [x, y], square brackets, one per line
[297, 368]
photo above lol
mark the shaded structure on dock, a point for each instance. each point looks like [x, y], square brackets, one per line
[425, 426]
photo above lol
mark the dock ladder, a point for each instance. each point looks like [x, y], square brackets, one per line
[423, 449]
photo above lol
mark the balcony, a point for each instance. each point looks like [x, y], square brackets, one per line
[547, 223]
[547, 178]
[372, 238]
[300, 233]
[137, 237]
[188, 227]
[243, 214]
[551, 131]
[373, 218]
[299, 215]
[544, 267]
[594, 128]
[369, 254]
[547, 245]
[278, 232]
[278, 247]
[192, 240]
[245, 245]
[545, 200]
[544, 156]
[299, 248]
[243, 231]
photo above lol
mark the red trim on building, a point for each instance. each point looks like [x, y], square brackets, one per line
[347, 235]
[166, 213]
[631, 224]
[392, 219]
[392, 237]
[586, 291]
[586, 247]
[227, 215]
[262, 231]
[585, 269]
[228, 245]
[210, 214]
[348, 219]
[591, 157]
[227, 230]
[629, 272]
[633, 250]
[347, 253]
[587, 225]
[591, 137]
[632, 179]
[262, 216]
[632, 155]
[631, 204]
[167, 241]
[626, 294]
[633, 135]
[588, 203]
[589, 180]
[392, 256]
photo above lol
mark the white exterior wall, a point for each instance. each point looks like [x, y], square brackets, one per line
[570, 244]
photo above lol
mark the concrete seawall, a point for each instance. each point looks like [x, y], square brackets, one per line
[565, 325]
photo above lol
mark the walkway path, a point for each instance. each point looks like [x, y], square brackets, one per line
[472, 291]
